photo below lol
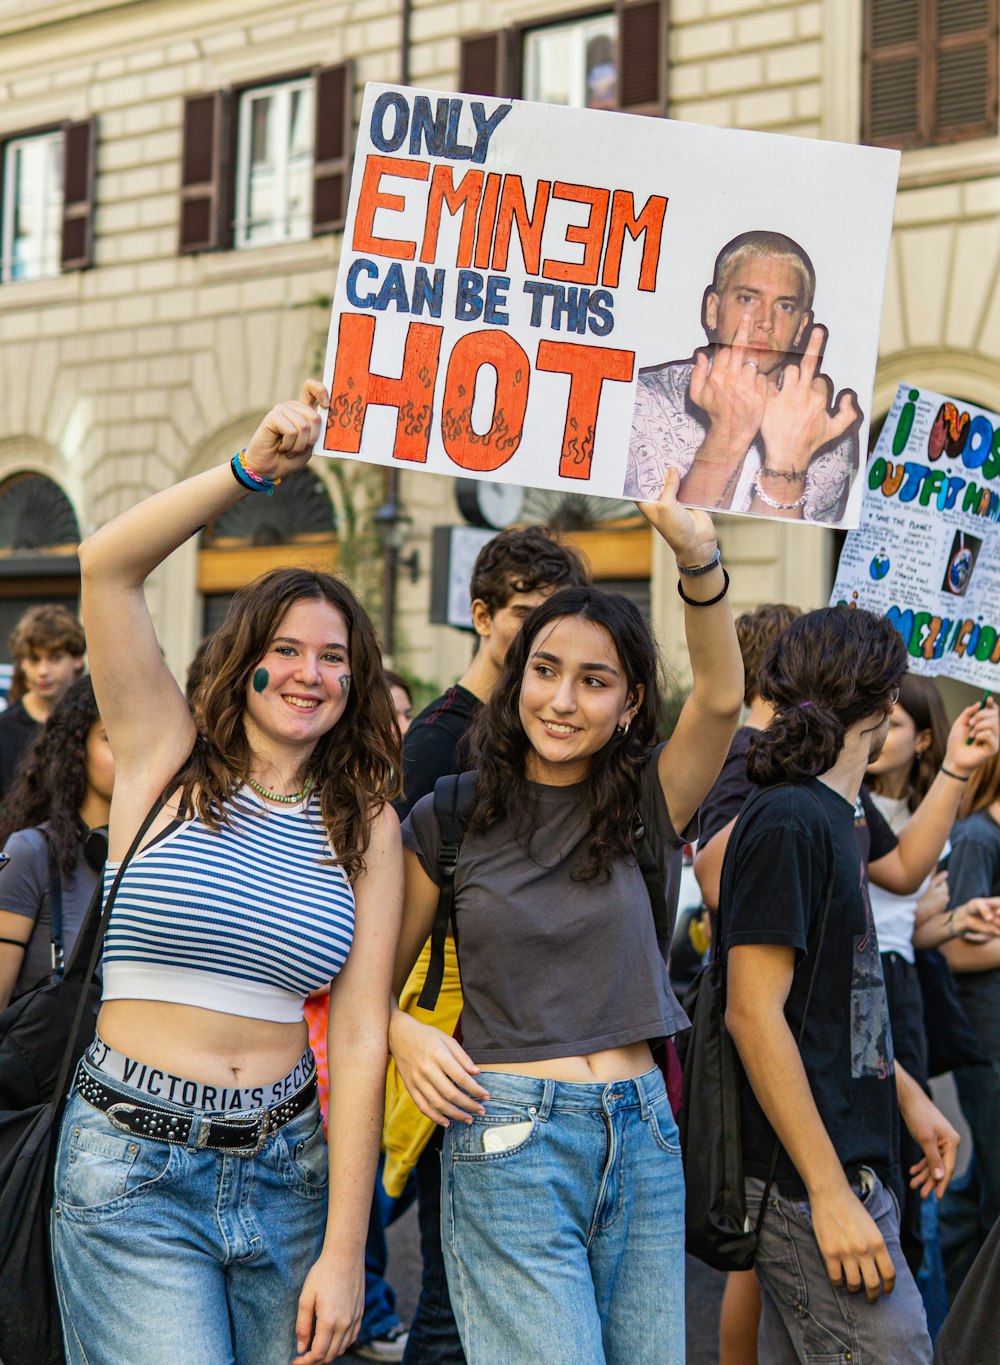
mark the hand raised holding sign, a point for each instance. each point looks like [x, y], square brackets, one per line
[283, 443]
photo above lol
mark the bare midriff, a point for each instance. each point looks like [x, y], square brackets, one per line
[202, 1045]
[611, 1064]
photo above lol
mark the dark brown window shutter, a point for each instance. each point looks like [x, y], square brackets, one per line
[643, 60]
[930, 71]
[487, 65]
[334, 146]
[79, 167]
[206, 178]
[964, 90]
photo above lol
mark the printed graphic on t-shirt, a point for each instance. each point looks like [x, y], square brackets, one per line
[871, 1036]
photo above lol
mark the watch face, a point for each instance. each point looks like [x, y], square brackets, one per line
[489, 504]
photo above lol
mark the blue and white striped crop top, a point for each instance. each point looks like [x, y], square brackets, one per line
[245, 921]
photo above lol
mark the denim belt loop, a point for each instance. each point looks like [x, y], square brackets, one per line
[645, 1108]
[547, 1100]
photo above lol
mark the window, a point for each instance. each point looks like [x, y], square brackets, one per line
[930, 71]
[47, 201]
[32, 206]
[614, 58]
[267, 164]
[274, 164]
[574, 64]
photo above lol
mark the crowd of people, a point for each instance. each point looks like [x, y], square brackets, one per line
[357, 958]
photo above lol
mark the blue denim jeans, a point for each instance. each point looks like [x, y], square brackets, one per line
[562, 1220]
[162, 1252]
[433, 1338]
[806, 1317]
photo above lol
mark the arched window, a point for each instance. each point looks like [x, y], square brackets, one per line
[297, 526]
[39, 535]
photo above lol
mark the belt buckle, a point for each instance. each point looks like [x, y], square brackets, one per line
[262, 1136]
[118, 1123]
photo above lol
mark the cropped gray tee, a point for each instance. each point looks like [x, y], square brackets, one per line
[553, 967]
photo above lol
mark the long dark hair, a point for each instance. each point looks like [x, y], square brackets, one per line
[499, 747]
[921, 700]
[827, 670]
[51, 781]
[355, 766]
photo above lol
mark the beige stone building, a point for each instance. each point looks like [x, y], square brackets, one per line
[174, 173]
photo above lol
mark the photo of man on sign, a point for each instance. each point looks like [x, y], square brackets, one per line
[750, 421]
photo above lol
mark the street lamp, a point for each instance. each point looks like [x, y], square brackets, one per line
[393, 525]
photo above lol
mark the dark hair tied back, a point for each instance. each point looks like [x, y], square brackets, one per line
[827, 670]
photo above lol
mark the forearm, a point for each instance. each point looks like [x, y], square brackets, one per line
[774, 1068]
[712, 478]
[971, 957]
[713, 648]
[357, 1098]
[708, 865]
[128, 548]
[925, 834]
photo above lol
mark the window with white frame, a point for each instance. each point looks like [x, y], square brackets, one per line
[274, 164]
[573, 63]
[32, 206]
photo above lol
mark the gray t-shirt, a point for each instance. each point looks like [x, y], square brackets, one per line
[553, 967]
[24, 890]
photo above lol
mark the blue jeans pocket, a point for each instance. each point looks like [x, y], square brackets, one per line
[302, 1154]
[663, 1126]
[101, 1173]
[503, 1132]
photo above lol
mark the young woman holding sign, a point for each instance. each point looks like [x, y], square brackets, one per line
[195, 1212]
[563, 1192]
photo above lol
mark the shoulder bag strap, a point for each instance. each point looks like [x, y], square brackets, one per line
[97, 938]
[454, 797]
[652, 875]
[55, 907]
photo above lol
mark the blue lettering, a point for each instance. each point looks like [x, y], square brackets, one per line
[361, 266]
[602, 319]
[496, 299]
[397, 103]
[432, 130]
[469, 303]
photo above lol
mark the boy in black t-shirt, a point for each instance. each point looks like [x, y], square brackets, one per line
[832, 1224]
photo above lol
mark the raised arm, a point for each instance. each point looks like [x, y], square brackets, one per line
[697, 749]
[924, 835]
[147, 718]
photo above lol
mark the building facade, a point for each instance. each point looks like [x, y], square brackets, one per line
[174, 177]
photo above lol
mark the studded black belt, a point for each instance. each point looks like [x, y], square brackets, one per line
[236, 1137]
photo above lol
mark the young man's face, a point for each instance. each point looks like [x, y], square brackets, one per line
[769, 290]
[48, 672]
[497, 629]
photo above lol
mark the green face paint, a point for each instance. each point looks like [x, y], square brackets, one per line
[345, 682]
[260, 679]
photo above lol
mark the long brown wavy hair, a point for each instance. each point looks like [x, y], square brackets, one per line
[355, 766]
[499, 746]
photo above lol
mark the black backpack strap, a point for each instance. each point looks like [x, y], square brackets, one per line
[55, 908]
[454, 798]
[652, 875]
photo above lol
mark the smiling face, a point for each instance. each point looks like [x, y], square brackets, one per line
[573, 695]
[300, 688]
[771, 291]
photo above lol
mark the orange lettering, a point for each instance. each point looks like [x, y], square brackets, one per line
[588, 368]
[590, 235]
[372, 198]
[464, 196]
[649, 223]
[495, 447]
[354, 387]
[513, 207]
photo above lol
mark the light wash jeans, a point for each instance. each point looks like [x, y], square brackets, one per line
[807, 1318]
[163, 1253]
[566, 1246]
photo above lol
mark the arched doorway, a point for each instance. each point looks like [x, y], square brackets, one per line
[39, 536]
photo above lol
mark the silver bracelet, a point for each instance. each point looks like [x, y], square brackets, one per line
[770, 502]
[699, 569]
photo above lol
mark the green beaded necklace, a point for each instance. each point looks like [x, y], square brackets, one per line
[278, 796]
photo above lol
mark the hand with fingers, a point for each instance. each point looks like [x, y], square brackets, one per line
[283, 443]
[977, 921]
[798, 420]
[933, 1134]
[330, 1309]
[973, 738]
[732, 392]
[850, 1243]
[689, 533]
[438, 1073]
[934, 901]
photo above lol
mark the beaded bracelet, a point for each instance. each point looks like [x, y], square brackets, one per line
[257, 483]
[709, 602]
[773, 502]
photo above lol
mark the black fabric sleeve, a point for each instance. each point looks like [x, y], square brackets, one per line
[428, 753]
[422, 836]
[770, 879]
[725, 801]
[882, 840]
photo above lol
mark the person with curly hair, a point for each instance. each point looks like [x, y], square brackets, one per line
[562, 1211]
[196, 1211]
[54, 836]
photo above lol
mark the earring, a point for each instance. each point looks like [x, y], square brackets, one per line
[623, 729]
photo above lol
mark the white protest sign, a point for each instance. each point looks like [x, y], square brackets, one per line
[509, 270]
[927, 551]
